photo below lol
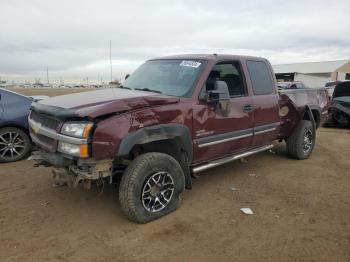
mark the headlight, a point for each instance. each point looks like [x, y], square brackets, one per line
[81, 151]
[77, 129]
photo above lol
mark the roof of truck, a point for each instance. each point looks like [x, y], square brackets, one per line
[213, 57]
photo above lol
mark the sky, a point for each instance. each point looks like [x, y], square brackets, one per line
[71, 37]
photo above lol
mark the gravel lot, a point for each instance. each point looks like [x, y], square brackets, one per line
[301, 213]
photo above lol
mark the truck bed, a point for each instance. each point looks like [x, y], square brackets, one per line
[292, 107]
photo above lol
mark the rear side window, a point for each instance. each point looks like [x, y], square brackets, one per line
[260, 77]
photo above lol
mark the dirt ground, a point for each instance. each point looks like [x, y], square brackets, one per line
[301, 213]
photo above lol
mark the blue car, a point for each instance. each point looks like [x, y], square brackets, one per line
[15, 142]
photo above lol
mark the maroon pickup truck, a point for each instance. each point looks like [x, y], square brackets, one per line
[173, 117]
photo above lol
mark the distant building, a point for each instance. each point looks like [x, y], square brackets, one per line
[314, 74]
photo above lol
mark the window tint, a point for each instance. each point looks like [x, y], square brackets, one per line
[260, 77]
[231, 74]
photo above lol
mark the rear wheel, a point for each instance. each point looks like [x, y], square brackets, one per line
[14, 144]
[151, 187]
[302, 142]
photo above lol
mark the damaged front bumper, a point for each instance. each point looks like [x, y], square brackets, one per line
[72, 171]
[67, 168]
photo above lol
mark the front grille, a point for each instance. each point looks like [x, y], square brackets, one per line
[44, 142]
[48, 122]
[45, 120]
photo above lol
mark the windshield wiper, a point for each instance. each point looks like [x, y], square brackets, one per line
[124, 87]
[148, 90]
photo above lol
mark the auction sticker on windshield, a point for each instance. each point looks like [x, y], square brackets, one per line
[190, 64]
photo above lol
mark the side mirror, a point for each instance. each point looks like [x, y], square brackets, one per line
[220, 92]
[126, 76]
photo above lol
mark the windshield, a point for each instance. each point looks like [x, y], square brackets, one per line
[170, 77]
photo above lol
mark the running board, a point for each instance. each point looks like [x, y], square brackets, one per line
[225, 160]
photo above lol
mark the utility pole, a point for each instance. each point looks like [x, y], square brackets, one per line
[47, 75]
[110, 57]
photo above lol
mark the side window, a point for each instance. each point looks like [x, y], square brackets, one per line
[300, 85]
[230, 72]
[260, 77]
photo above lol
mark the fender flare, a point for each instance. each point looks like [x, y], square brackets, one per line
[157, 133]
[308, 112]
[149, 134]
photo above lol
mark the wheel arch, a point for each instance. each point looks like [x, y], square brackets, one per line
[172, 139]
[313, 113]
[24, 129]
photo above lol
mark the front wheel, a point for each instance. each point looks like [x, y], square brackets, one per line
[302, 142]
[151, 187]
[14, 144]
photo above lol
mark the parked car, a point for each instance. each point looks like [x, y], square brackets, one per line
[15, 142]
[339, 110]
[332, 83]
[291, 85]
[330, 86]
[173, 117]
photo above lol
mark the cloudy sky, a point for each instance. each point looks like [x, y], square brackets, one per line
[71, 37]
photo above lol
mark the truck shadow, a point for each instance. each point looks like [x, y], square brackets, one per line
[105, 199]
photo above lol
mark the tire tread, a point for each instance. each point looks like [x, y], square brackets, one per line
[294, 141]
[131, 178]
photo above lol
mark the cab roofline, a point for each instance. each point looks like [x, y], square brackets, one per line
[209, 57]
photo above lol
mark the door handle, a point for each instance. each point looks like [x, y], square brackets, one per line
[248, 108]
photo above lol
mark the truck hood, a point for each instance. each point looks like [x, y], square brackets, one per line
[102, 102]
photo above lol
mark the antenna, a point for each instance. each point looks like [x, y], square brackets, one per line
[110, 57]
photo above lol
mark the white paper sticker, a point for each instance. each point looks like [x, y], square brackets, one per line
[193, 64]
[247, 211]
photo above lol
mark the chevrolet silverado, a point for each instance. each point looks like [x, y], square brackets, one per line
[173, 117]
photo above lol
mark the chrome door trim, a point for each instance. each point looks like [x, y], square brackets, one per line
[225, 160]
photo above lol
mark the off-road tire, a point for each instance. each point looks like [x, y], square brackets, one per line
[23, 151]
[296, 142]
[134, 179]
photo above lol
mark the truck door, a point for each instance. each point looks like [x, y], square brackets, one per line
[265, 103]
[216, 134]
